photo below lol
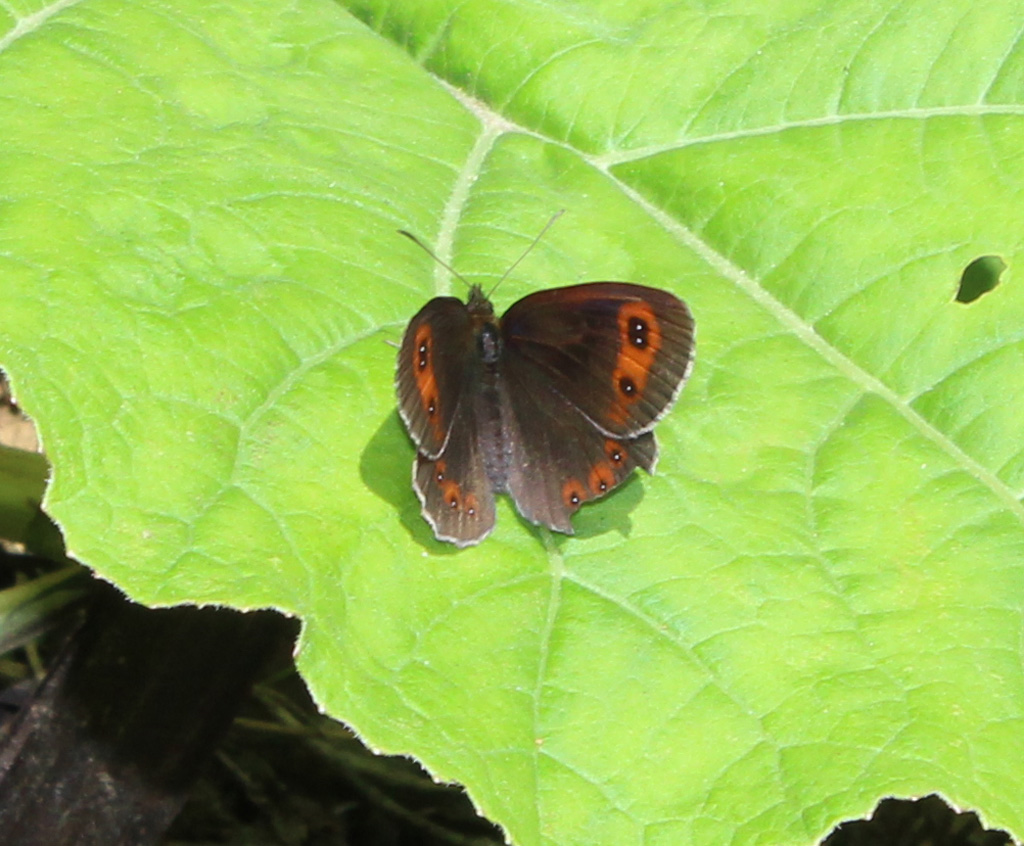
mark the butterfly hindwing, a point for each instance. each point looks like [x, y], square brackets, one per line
[618, 352]
[558, 459]
[453, 487]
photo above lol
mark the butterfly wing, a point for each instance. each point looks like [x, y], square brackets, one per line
[558, 459]
[437, 381]
[453, 487]
[432, 371]
[617, 352]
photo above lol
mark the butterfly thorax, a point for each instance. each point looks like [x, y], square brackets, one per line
[485, 328]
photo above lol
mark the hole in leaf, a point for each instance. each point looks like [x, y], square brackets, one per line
[979, 277]
[906, 822]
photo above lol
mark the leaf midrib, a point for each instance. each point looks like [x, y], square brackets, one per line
[605, 161]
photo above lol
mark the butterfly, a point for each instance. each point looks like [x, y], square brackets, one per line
[553, 403]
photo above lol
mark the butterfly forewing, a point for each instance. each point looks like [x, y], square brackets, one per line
[436, 351]
[618, 352]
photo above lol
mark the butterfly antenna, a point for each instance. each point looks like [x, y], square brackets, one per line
[433, 255]
[526, 252]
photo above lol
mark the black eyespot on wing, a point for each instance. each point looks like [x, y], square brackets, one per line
[572, 494]
[638, 332]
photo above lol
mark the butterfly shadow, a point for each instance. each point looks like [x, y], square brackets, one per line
[386, 469]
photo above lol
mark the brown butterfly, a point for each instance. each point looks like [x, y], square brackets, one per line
[553, 403]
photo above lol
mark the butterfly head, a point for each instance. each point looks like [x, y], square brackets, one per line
[479, 305]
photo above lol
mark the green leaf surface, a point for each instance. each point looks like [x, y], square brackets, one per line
[816, 602]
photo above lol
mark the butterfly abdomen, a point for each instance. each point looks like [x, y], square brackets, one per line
[492, 431]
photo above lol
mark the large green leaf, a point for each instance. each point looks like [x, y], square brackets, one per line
[818, 599]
